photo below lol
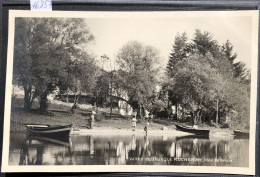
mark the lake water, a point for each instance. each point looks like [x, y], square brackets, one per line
[128, 150]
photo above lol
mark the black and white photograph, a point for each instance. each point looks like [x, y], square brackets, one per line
[131, 92]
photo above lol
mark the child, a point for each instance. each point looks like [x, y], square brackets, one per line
[92, 118]
[146, 127]
[134, 122]
[151, 118]
[146, 117]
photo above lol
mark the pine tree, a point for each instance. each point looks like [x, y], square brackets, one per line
[204, 43]
[227, 49]
[239, 68]
[179, 52]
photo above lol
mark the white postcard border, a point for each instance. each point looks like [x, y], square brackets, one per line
[131, 168]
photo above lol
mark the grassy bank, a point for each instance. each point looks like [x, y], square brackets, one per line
[60, 115]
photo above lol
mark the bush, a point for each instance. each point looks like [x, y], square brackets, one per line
[99, 117]
[213, 124]
[163, 114]
[224, 125]
[159, 109]
[17, 102]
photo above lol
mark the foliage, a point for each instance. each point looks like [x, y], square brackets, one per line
[44, 47]
[204, 43]
[227, 49]
[101, 91]
[206, 79]
[159, 108]
[99, 116]
[137, 73]
[179, 52]
[239, 68]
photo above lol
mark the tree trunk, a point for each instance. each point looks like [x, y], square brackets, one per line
[111, 90]
[96, 103]
[74, 106]
[139, 113]
[126, 110]
[111, 104]
[44, 105]
[200, 119]
[217, 113]
[67, 99]
[200, 115]
[193, 119]
[28, 99]
[176, 110]
[196, 117]
[142, 111]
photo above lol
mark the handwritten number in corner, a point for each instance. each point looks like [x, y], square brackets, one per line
[41, 5]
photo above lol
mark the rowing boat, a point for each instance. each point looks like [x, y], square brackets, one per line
[199, 132]
[59, 141]
[239, 133]
[47, 130]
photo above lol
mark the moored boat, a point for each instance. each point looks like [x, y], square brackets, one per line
[62, 141]
[47, 130]
[192, 137]
[199, 132]
[239, 133]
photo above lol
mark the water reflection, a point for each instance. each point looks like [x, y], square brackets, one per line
[128, 150]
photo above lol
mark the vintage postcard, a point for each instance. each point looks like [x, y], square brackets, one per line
[131, 92]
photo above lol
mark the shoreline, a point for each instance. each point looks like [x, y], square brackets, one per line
[104, 130]
[107, 125]
[111, 131]
[138, 131]
[170, 132]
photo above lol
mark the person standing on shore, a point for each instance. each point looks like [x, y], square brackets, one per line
[146, 126]
[134, 122]
[92, 118]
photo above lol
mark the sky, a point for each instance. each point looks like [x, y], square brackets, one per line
[112, 33]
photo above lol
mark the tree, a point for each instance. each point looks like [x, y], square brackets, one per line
[197, 84]
[203, 43]
[239, 68]
[239, 101]
[111, 84]
[101, 91]
[227, 49]
[208, 82]
[43, 47]
[179, 52]
[81, 77]
[137, 71]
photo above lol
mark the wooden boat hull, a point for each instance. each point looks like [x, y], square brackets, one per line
[197, 132]
[192, 137]
[61, 141]
[46, 130]
[238, 133]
